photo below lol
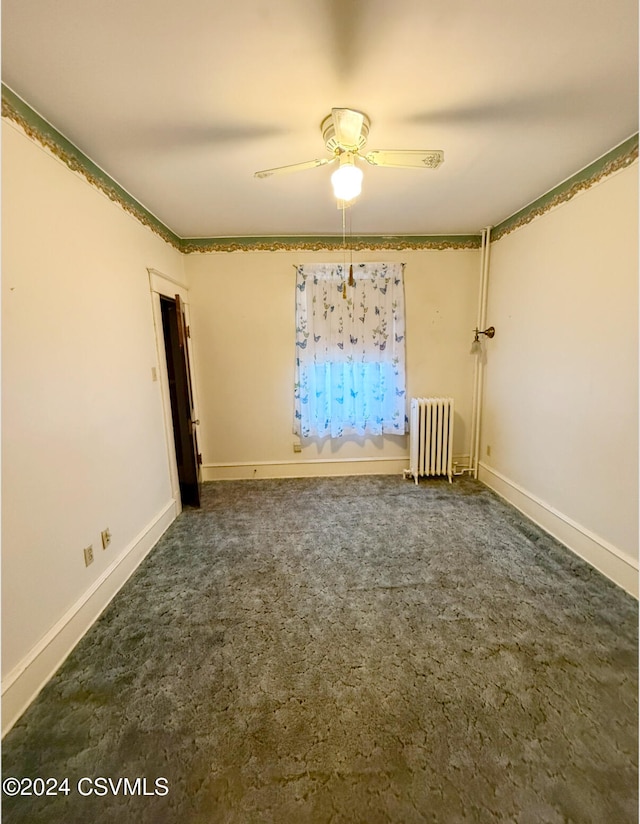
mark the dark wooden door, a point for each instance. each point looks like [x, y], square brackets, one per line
[188, 457]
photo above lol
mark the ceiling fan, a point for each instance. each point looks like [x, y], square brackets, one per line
[345, 133]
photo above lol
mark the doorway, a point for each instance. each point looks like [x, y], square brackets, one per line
[175, 333]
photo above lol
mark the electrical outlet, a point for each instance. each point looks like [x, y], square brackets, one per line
[297, 447]
[88, 555]
[106, 538]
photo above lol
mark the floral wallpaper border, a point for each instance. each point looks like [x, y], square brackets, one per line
[37, 128]
[318, 243]
[618, 158]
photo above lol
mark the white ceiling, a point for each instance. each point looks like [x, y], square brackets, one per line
[180, 102]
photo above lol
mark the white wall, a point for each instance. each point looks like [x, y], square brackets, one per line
[83, 444]
[243, 316]
[560, 413]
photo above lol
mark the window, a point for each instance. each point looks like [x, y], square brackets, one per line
[350, 374]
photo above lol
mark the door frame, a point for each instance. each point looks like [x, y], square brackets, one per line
[161, 284]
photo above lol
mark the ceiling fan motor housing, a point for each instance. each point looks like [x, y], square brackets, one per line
[331, 141]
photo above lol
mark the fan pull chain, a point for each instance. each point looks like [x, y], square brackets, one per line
[344, 255]
[351, 280]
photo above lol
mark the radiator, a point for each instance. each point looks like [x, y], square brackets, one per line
[431, 437]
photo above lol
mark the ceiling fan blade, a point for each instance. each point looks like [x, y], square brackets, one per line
[348, 127]
[294, 167]
[407, 158]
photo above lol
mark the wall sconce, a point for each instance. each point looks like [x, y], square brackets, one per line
[475, 346]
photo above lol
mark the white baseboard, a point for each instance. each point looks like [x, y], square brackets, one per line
[311, 468]
[323, 467]
[25, 680]
[612, 562]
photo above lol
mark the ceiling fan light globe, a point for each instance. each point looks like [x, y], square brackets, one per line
[347, 182]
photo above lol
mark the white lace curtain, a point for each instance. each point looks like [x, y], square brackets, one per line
[350, 364]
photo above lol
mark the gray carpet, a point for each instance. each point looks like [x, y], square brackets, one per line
[345, 650]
